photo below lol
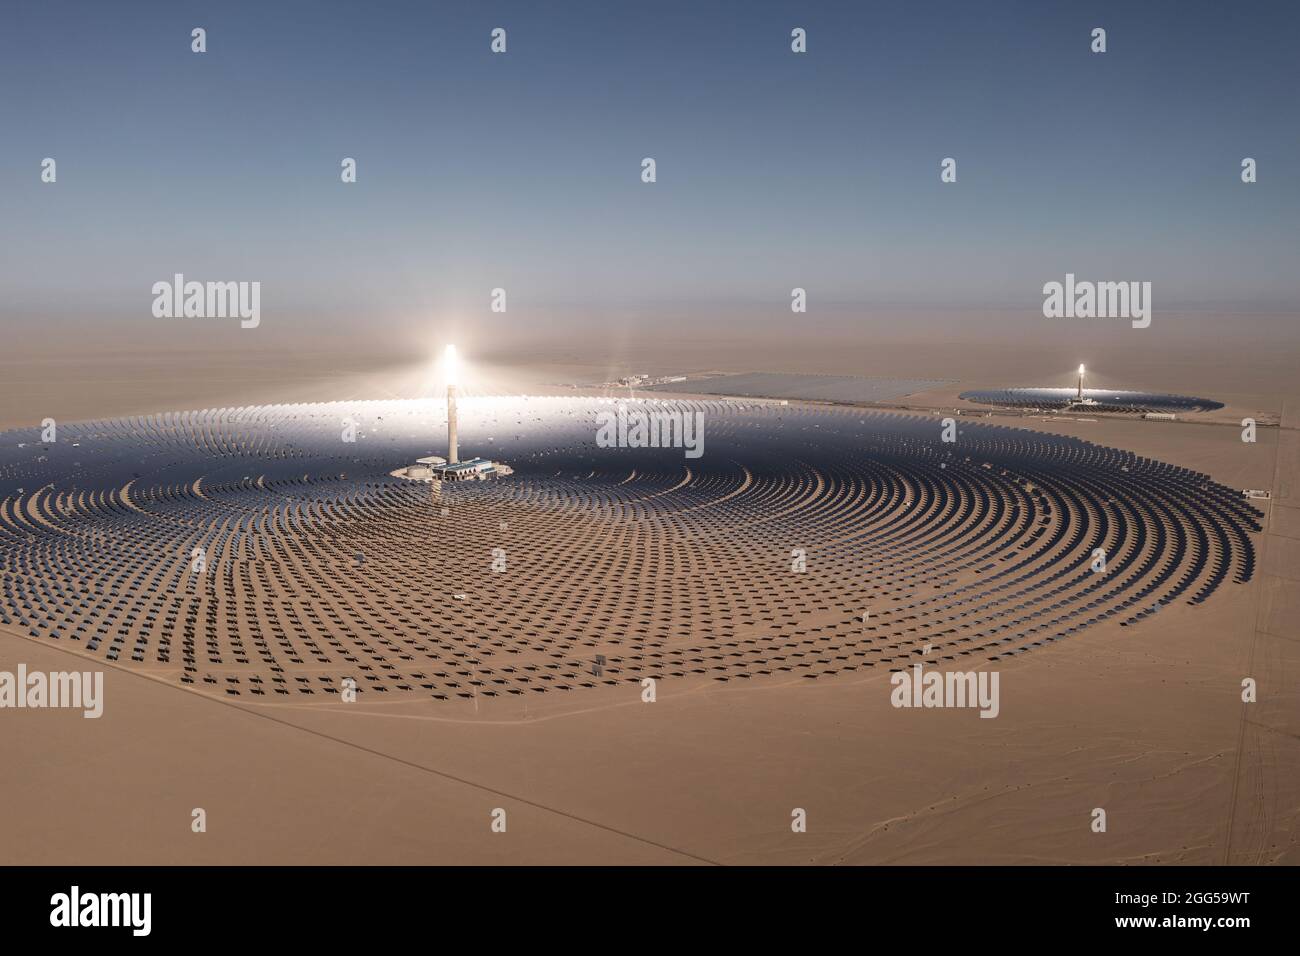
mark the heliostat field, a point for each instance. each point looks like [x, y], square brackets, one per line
[258, 553]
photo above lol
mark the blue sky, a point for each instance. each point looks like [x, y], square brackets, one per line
[522, 170]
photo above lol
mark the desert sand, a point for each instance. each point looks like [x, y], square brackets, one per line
[1146, 722]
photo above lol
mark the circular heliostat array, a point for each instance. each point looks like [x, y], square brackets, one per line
[260, 553]
[1094, 399]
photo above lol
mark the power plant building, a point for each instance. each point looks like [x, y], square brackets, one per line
[451, 468]
[475, 469]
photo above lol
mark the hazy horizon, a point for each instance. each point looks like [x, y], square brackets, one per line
[521, 170]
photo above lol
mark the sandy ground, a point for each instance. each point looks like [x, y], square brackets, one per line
[1147, 724]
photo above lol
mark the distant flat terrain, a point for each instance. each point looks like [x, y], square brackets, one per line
[814, 388]
[773, 685]
[1144, 720]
